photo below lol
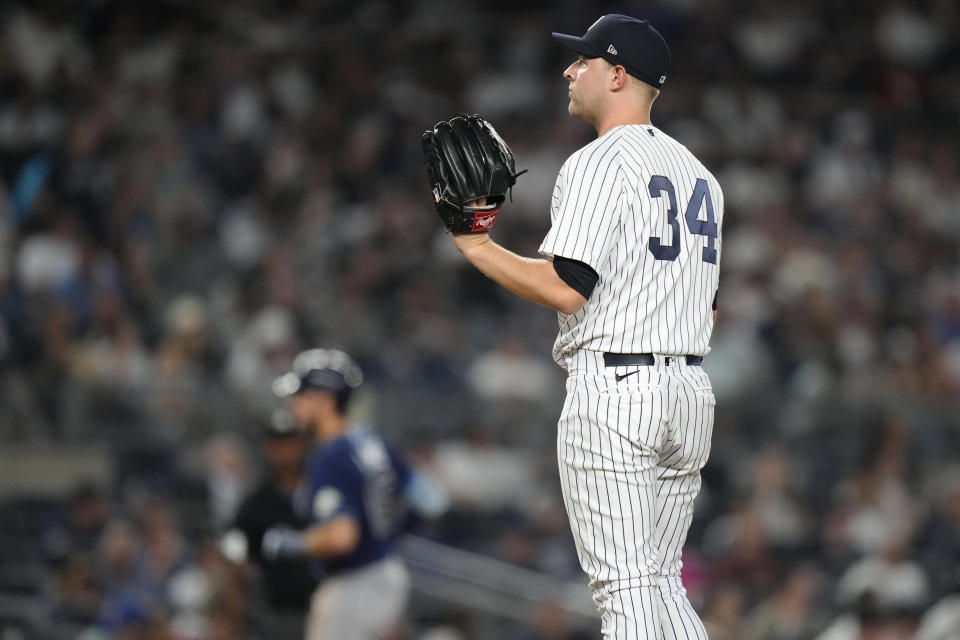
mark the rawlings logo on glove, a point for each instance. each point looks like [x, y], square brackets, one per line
[483, 222]
[468, 163]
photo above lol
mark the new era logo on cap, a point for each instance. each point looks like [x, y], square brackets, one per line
[612, 49]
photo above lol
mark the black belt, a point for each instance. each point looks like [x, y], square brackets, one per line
[644, 359]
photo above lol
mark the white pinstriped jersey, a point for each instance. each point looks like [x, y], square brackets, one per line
[646, 215]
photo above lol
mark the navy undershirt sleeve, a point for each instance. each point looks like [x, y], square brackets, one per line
[578, 275]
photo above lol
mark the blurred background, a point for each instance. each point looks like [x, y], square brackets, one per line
[193, 191]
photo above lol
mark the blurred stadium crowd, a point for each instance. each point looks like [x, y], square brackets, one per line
[194, 191]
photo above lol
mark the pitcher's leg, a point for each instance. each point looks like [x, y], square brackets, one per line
[631, 613]
[675, 497]
[608, 476]
[686, 452]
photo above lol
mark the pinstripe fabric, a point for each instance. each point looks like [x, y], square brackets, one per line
[630, 455]
[602, 214]
[630, 452]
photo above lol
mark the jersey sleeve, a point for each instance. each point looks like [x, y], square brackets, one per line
[586, 207]
[336, 486]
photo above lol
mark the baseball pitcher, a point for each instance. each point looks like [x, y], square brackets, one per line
[631, 264]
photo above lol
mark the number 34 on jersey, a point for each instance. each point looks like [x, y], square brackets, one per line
[699, 201]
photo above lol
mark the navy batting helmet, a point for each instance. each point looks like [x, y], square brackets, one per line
[328, 370]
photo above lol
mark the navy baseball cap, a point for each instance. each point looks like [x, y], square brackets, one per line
[626, 41]
[320, 370]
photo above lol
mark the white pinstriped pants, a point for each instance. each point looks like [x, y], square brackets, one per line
[630, 455]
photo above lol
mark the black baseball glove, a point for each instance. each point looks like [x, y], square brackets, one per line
[467, 160]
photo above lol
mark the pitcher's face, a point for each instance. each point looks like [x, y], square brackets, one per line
[588, 79]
